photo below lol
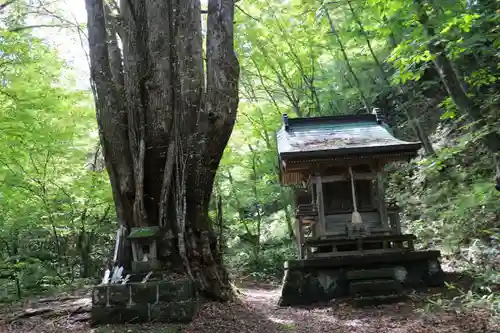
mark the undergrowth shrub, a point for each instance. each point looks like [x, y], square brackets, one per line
[448, 200]
[450, 203]
[244, 262]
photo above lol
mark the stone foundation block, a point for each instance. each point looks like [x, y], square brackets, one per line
[135, 314]
[144, 293]
[301, 287]
[100, 296]
[106, 315]
[119, 295]
[180, 290]
[318, 280]
[176, 312]
[153, 301]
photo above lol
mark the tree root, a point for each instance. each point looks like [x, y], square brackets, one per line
[78, 310]
[58, 299]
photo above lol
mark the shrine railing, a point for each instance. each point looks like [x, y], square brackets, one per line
[393, 211]
[304, 210]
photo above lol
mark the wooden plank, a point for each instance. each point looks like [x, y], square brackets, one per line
[306, 210]
[306, 222]
[345, 177]
[309, 253]
[373, 232]
[341, 160]
[336, 223]
[117, 245]
[381, 198]
[360, 261]
[369, 239]
[320, 206]
[119, 253]
[395, 222]
[308, 183]
[360, 253]
[300, 237]
[314, 200]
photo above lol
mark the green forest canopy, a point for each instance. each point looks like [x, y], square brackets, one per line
[304, 58]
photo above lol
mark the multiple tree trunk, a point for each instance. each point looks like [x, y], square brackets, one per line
[457, 91]
[165, 112]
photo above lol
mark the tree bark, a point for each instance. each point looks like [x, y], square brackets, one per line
[164, 119]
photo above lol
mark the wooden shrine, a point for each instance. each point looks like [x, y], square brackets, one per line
[343, 220]
[144, 249]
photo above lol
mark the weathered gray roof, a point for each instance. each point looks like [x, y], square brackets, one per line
[338, 135]
[144, 232]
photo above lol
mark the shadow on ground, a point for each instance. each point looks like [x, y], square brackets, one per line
[340, 317]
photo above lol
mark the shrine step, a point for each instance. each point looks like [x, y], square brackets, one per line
[378, 300]
[367, 274]
[375, 287]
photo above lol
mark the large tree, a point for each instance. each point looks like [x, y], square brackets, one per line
[165, 109]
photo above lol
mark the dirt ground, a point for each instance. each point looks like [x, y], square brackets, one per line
[256, 311]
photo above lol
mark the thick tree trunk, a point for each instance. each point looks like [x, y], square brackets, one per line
[162, 130]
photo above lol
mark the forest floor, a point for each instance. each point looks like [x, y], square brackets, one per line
[256, 311]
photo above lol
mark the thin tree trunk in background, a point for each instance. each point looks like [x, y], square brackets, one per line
[412, 117]
[257, 201]
[392, 37]
[238, 204]
[283, 81]
[288, 214]
[285, 199]
[410, 111]
[307, 78]
[368, 43]
[347, 61]
[164, 92]
[271, 144]
[456, 90]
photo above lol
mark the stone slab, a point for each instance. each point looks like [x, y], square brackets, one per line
[106, 315]
[119, 295]
[100, 295]
[179, 290]
[175, 312]
[144, 293]
[363, 260]
[136, 313]
[310, 287]
[363, 274]
[119, 315]
[375, 287]
[153, 301]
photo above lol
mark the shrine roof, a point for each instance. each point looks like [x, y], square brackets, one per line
[144, 232]
[337, 136]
